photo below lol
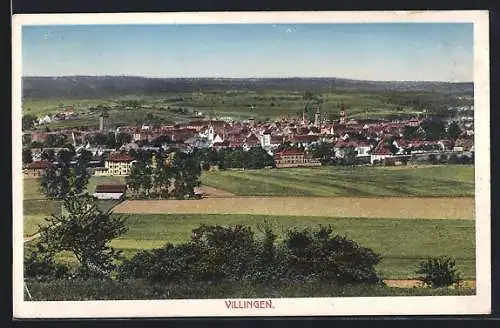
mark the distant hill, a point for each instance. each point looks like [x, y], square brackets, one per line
[79, 87]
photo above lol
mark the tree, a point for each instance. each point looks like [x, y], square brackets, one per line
[58, 182]
[453, 131]
[48, 155]
[27, 140]
[350, 155]
[123, 138]
[410, 132]
[324, 152]
[162, 176]
[187, 172]
[56, 140]
[28, 121]
[434, 130]
[27, 157]
[439, 272]
[85, 231]
[110, 141]
[133, 180]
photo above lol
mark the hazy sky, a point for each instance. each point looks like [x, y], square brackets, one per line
[394, 51]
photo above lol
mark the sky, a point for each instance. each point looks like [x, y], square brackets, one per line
[365, 51]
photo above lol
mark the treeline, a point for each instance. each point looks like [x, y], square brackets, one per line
[220, 254]
[227, 158]
[163, 175]
[109, 140]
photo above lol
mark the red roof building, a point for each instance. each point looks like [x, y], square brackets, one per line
[39, 165]
[119, 157]
[35, 169]
[294, 158]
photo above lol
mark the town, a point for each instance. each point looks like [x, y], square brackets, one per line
[288, 143]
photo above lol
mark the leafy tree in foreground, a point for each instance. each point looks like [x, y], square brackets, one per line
[439, 272]
[85, 231]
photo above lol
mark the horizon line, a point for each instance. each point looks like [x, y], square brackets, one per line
[243, 78]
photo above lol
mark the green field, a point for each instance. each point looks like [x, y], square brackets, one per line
[402, 243]
[449, 180]
[269, 104]
[36, 207]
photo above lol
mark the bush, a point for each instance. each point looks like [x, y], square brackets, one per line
[443, 159]
[433, 159]
[40, 265]
[320, 256]
[218, 254]
[439, 272]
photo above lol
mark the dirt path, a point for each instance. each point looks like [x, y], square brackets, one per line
[387, 207]
[410, 283]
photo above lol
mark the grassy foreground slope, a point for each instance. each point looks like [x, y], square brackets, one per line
[448, 180]
[402, 243]
[68, 290]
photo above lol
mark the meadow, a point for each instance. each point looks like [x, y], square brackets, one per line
[402, 243]
[235, 104]
[36, 207]
[433, 181]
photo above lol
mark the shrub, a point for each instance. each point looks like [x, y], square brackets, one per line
[39, 264]
[169, 263]
[389, 161]
[439, 272]
[433, 159]
[218, 253]
[319, 255]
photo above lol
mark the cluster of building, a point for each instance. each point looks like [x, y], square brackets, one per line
[367, 137]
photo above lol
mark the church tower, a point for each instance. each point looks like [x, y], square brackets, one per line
[343, 117]
[103, 121]
[317, 118]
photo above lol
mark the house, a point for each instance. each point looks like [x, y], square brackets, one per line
[380, 153]
[362, 148]
[464, 145]
[294, 158]
[111, 191]
[304, 140]
[250, 142]
[118, 164]
[35, 169]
